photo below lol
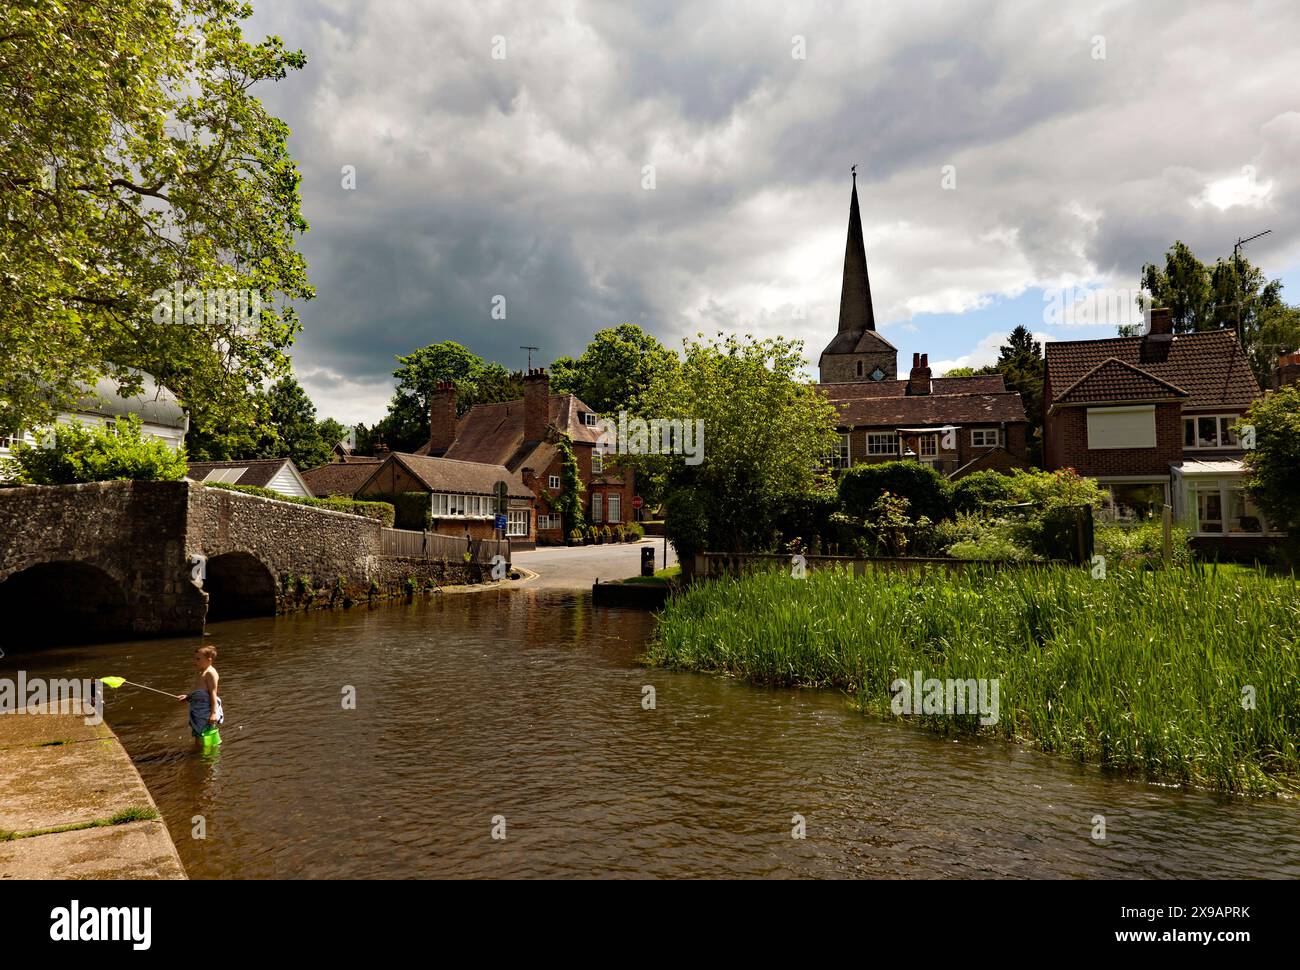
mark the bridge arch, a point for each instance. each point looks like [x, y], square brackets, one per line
[62, 601]
[238, 585]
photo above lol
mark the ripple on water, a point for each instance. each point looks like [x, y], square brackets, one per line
[528, 705]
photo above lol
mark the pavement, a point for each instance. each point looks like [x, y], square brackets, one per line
[58, 772]
[578, 567]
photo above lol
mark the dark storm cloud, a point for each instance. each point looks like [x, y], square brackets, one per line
[522, 177]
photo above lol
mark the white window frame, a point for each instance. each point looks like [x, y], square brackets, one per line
[1223, 436]
[597, 462]
[979, 437]
[1226, 489]
[843, 457]
[927, 446]
[614, 508]
[553, 481]
[596, 506]
[517, 522]
[589, 419]
[548, 522]
[882, 443]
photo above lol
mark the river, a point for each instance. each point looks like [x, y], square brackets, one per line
[527, 705]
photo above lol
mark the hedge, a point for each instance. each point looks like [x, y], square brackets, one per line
[929, 493]
[413, 510]
[381, 511]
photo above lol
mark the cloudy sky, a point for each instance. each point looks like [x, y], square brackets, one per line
[1007, 152]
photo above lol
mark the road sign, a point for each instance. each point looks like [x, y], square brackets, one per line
[637, 501]
[501, 521]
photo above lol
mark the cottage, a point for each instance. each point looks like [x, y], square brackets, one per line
[525, 436]
[1153, 418]
[464, 496]
[159, 410]
[278, 474]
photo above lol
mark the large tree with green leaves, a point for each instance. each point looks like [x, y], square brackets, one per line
[1275, 459]
[1232, 294]
[1021, 364]
[136, 161]
[766, 433]
[406, 426]
[615, 370]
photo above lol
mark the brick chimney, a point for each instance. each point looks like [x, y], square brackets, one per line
[1162, 322]
[1288, 370]
[918, 382]
[537, 404]
[442, 418]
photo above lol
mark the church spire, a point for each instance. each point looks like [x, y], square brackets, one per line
[856, 312]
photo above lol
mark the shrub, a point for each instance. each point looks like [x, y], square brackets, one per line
[981, 490]
[890, 524]
[1141, 544]
[576, 535]
[807, 515]
[411, 510]
[72, 453]
[635, 532]
[381, 511]
[928, 493]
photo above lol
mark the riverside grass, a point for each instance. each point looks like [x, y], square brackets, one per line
[1142, 671]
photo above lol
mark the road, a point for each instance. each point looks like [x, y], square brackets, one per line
[577, 567]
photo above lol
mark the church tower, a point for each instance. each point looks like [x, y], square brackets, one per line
[857, 352]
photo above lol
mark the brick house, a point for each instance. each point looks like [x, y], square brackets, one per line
[524, 436]
[462, 495]
[1151, 418]
[956, 424]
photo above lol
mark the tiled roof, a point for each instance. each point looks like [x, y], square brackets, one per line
[1210, 366]
[984, 384]
[1117, 380]
[340, 477]
[930, 409]
[448, 475]
[995, 459]
[258, 471]
[494, 433]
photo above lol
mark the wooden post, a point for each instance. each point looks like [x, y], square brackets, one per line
[1167, 545]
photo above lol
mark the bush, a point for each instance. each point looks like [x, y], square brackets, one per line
[411, 510]
[981, 490]
[380, 511]
[808, 516]
[73, 453]
[635, 532]
[1140, 545]
[928, 493]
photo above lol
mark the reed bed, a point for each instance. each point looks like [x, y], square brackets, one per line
[1143, 671]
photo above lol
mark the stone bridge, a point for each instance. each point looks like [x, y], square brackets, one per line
[113, 560]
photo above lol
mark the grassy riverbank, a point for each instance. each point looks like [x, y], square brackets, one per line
[1141, 671]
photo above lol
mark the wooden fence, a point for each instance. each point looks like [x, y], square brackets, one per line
[434, 545]
[710, 564]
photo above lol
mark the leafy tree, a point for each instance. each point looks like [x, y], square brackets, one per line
[1232, 294]
[970, 371]
[297, 432]
[1273, 462]
[406, 425]
[136, 163]
[765, 432]
[1023, 369]
[72, 453]
[615, 371]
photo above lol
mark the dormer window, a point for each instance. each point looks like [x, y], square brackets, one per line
[589, 419]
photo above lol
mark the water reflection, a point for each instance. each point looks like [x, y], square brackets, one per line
[528, 705]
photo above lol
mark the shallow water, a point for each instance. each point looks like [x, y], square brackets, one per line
[528, 705]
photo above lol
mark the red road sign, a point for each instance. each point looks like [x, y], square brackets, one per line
[637, 501]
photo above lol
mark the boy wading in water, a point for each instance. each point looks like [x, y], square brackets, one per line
[205, 705]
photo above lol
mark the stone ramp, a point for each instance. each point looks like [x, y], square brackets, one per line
[61, 783]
